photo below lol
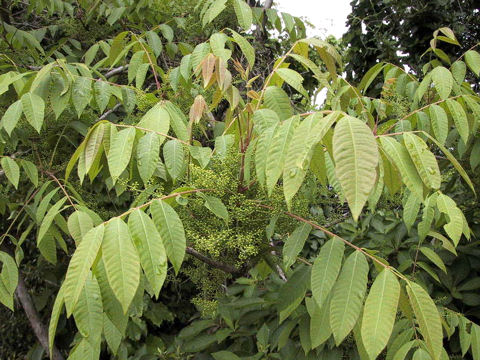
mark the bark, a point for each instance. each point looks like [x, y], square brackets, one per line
[39, 329]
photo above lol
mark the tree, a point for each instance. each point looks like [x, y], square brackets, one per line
[400, 31]
[256, 230]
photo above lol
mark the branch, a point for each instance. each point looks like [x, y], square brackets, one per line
[224, 267]
[38, 328]
[115, 71]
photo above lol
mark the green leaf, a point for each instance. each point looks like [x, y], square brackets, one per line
[356, 158]
[216, 206]
[326, 268]
[79, 267]
[31, 171]
[246, 48]
[292, 78]
[93, 142]
[8, 279]
[443, 80]
[121, 146]
[171, 231]
[454, 227]
[79, 224]
[454, 162]
[155, 42]
[402, 352]
[294, 243]
[135, 62]
[216, 7]
[34, 108]
[439, 121]
[424, 160]
[320, 329]
[11, 169]
[277, 100]
[261, 152]
[400, 157]
[411, 209]
[11, 116]
[293, 172]
[150, 248]
[173, 155]
[293, 291]
[56, 312]
[427, 317]
[475, 341]
[459, 118]
[244, 14]
[201, 154]
[277, 151]
[111, 305]
[157, 119]
[472, 59]
[81, 93]
[121, 261]
[113, 336]
[148, 155]
[48, 219]
[103, 92]
[433, 257]
[379, 312]
[347, 298]
[89, 313]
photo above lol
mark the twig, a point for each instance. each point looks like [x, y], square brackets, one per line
[115, 71]
[219, 265]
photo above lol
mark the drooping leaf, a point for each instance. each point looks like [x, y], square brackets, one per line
[148, 156]
[31, 171]
[294, 243]
[443, 80]
[34, 108]
[173, 155]
[81, 93]
[356, 158]
[79, 267]
[427, 317]
[439, 121]
[292, 78]
[459, 118]
[325, 269]
[157, 119]
[348, 294]
[424, 160]
[244, 14]
[121, 146]
[11, 169]
[277, 100]
[245, 46]
[472, 59]
[400, 157]
[171, 231]
[150, 248]
[11, 116]
[379, 312]
[79, 224]
[293, 291]
[320, 329]
[48, 219]
[89, 313]
[121, 261]
[56, 312]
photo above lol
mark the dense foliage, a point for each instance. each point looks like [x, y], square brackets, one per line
[400, 31]
[169, 191]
